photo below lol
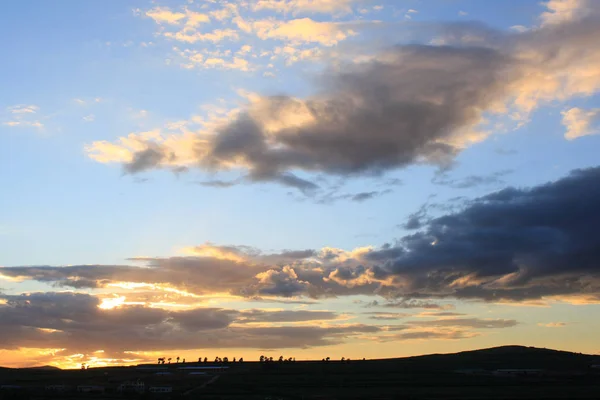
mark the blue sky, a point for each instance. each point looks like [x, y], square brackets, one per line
[92, 88]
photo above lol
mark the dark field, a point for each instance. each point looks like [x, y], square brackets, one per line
[535, 374]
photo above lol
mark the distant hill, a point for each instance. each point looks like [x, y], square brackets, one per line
[500, 357]
[45, 368]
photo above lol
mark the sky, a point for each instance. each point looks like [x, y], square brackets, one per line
[306, 178]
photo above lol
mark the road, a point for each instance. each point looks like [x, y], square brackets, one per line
[205, 384]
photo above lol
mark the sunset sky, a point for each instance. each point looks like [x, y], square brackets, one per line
[306, 178]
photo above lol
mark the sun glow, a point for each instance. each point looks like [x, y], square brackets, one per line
[110, 303]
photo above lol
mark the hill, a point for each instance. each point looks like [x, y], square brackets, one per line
[500, 357]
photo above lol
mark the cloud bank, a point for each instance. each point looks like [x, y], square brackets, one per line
[511, 245]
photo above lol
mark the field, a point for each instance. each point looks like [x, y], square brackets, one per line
[534, 374]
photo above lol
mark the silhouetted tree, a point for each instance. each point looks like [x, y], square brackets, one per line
[184, 360]
[327, 359]
[280, 358]
[199, 359]
[225, 359]
[233, 359]
[177, 359]
[343, 358]
[205, 359]
[262, 358]
[241, 359]
[169, 360]
[83, 366]
[270, 359]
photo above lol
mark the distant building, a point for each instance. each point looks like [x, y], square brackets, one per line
[57, 388]
[471, 371]
[160, 389]
[132, 387]
[90, 389]
[10, 387]
[519, 372]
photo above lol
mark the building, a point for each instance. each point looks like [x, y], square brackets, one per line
[132, 387]
[11, 387]
[160, 389]
[57, 388]
[90, 389]
[519, 372]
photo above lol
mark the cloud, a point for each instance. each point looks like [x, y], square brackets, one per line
[384, 316]
[553, 325]
[561, 11]
[215, 36]
[21, 123]
[23, 115]
[333, 196]
[433, 335]
[360, 197]
[470, 181]
[407, 304]
[262, 316]
[428, 314]
[508, 246]
[23, 109]
[581, 122]
[475, 323]
[303, 30]
[410, 104]
[75, 323]
[165, 15]
[144, 160]
[305, 6]
[218, 183]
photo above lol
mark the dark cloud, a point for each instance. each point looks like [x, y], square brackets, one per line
[374, 117]
[217, 183]
[360, 197]
[146, 159]
[334, 196]
[289, 179]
